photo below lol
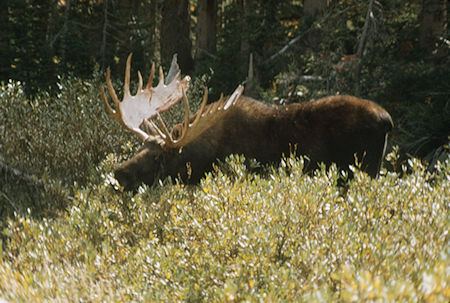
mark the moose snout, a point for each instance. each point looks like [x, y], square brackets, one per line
[124, 178]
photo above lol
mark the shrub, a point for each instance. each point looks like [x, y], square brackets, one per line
[239, 236]
[57, 140]
[63, 135]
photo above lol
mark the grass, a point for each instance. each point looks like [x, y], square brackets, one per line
[236, 236]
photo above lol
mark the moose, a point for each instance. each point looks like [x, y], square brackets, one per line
[336, 129]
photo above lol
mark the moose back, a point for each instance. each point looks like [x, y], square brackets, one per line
[336, 129]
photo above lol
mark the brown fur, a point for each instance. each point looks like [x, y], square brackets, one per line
[330, 130]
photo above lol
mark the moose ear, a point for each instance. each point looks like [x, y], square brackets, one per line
[174, 71]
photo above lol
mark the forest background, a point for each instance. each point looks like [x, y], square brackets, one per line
[67, 231]
[393, 52]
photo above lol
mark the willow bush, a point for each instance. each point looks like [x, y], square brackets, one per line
[63, 135]
[54, 139]
[58, 139]
[239, 236]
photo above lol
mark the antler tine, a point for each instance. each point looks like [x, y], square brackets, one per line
[186, 116]
[204, 119]
[105, 102]
[133, 111]
[213, 107]
[116, 114]
[161, 76]
[234, 97]
[177, 76]
[112, 92]
[165, 131]
[202, 107]
[151, 128]
[186, 124]
[126, 87]
[155, 129]
[150, 78]
[140, 81]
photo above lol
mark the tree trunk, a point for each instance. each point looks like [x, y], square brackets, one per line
[65, 30]
[313, 7]
[104, 34]
[154, 28]
[126, 13]
[175, 33]
[433, 22]
[6, 50]
[245, 43]
[206, 28]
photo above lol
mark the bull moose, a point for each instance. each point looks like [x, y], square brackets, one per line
[336, 129]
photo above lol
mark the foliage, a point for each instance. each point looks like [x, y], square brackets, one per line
[238, 236]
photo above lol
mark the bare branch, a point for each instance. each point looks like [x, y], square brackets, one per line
[297, 39]
[104, 33]
[29, 178]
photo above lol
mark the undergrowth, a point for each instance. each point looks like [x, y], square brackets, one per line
[239, 236]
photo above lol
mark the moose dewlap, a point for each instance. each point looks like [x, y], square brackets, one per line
[337, 129]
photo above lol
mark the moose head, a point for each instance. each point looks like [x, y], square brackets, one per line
[136, 112]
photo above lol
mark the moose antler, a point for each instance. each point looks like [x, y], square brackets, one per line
[203, 119]
[148, 102]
